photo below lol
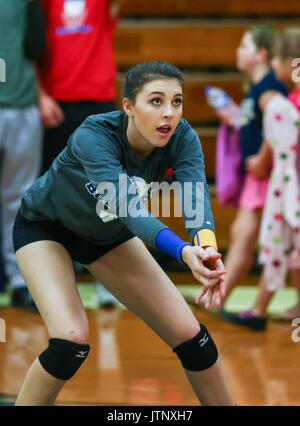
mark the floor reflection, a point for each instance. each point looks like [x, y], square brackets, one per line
[129, 364]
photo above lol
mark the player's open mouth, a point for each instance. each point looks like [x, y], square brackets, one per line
[164, 130]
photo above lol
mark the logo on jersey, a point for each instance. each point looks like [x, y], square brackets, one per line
[248, 111]
[139, 185]
[74, 16]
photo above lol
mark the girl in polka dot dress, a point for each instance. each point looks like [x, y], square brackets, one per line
[279, 237]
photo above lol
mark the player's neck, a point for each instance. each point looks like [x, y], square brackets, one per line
[258, 72]
[137, 142]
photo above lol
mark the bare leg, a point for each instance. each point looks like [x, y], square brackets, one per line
[205, 382]
[141, 285]
[294, 312]
[262, 300]
[39, 387]
[241, 250]
[48, 272]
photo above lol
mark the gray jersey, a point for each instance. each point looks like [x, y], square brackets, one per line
[97, 186]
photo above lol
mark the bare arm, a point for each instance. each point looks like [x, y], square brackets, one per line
[116, 7]
[260, 165]
[51, 113]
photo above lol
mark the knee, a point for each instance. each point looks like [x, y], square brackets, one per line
[199, 352]
[189, 332]
[67, 350]
[77, 334]
[63, 357]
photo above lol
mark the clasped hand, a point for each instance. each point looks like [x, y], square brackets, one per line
[208, 268]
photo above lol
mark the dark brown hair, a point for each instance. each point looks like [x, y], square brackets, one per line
[146, 72]
[263, 37]
[288, 43]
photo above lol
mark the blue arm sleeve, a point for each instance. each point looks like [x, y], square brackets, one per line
[170, 243]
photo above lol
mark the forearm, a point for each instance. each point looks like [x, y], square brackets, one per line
[265, 157]
[116, 8]
[40, 87]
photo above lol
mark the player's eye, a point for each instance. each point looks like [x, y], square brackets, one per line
[177, 101]
[156, 101]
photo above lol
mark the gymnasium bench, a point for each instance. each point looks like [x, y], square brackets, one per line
[188, 43]
[238, 8]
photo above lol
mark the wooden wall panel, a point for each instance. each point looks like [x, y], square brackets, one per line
[181, 43]
[215, 7]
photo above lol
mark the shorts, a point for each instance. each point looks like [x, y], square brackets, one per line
[254, 193]
[85, 252]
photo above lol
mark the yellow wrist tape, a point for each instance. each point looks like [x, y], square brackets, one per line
[204, 238]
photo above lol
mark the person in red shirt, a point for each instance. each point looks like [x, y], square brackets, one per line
[77, 76]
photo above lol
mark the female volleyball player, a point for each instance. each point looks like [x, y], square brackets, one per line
[90, 206]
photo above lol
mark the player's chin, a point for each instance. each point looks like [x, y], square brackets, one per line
[161, 141]
[241, 64]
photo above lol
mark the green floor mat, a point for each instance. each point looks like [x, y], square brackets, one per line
[241, 299]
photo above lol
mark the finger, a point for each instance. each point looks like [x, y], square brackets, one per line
[220, 266]
[207, 273]
[201, 294]
[213, 282]
[211, 256]
[45, 122]
[211, 251]
[214, 273]
[207, 282]
[210, 295]
[50, 119]
[217, 296]
[50, 123]
[58, 117]
[222, 288]
[217, 299]
[212, 263]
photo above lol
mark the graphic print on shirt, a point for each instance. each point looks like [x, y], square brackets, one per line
[140, 186]
[74, 18]
[248, 111]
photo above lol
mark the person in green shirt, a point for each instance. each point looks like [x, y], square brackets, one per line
[20, 127]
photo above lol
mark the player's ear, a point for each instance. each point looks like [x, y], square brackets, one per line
[128, 106]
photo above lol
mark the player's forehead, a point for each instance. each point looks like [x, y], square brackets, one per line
[162, 86]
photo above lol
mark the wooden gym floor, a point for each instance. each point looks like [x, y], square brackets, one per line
[129, 365]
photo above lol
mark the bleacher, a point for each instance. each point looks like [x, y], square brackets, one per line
[201, 37]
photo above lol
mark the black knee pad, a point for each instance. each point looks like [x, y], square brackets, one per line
[63, 358]
[198, 353]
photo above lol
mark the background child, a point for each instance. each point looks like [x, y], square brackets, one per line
[253, 58]
[280, 228]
